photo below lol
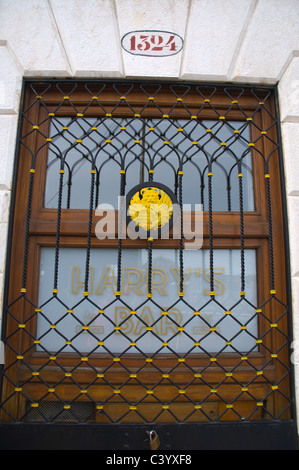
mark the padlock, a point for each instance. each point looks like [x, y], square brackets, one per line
[154, 440]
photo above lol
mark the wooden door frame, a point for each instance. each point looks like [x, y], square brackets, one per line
[41, 229]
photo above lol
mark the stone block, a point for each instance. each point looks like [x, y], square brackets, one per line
[293, 216]
[295, 345]
[290, 141]
[8, 131]
[3, 241]
[4, 205]
[30, 29]
[10, 81]
[90, 36]
[289, 92]
[1, 299]
[213, 38]
[153, 16]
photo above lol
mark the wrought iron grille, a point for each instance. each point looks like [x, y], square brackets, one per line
[183, 335]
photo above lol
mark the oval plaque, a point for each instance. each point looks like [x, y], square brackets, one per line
[152, 43]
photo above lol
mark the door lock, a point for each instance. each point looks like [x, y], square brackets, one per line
[154, 440]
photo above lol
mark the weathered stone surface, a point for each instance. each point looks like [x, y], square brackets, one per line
[10, 81]
[290, 137]
[289, 92]
[272, 35]
[3, 238]
[8, 130]
[30, 29]
[215, 29]
[293, 214]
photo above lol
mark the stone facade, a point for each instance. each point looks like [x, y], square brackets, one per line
[238, 41]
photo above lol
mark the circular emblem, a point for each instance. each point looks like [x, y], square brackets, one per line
[150, 207]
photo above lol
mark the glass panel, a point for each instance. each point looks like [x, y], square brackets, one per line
[76, 161]
[213, 327]
[143, 144]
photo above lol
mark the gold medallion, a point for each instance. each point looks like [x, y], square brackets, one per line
[150, 206]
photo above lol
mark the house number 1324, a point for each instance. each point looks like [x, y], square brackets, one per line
[154, 43]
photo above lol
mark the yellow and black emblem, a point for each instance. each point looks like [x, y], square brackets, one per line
[151, 205]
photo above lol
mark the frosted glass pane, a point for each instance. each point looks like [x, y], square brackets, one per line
[165, 284]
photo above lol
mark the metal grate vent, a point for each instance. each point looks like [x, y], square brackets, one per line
[54, 411]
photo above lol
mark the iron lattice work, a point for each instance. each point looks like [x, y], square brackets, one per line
[126, 351]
